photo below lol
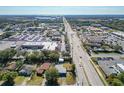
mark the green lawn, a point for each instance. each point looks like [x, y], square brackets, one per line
[19, 79]
[36, 80]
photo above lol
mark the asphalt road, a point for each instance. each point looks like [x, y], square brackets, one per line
[86, 74]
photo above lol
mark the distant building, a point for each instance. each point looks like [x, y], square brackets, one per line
[34, 29]
[119, 34]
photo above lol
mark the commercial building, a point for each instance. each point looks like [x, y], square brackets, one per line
[40, 45]
[108, 67]
[119, 34]
[120, 67]
[49, 46]
[32, 45]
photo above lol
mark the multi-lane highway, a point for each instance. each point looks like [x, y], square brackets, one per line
[86, 74]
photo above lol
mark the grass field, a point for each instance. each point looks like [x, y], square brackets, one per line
[19, 79]
[36, 80]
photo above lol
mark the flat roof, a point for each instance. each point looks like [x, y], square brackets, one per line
[119, 33]
[27, 67]
[94, 28]
[121, 66]
[107, 67]
[61, 59]
[46, 45]
[60, 68]
[32, 43]
[49, 45]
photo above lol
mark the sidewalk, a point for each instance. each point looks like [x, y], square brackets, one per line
[43, 83]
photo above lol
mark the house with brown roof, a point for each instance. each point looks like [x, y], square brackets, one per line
[11, 66]
[40, 70]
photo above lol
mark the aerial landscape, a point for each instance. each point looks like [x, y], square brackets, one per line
[66, 48]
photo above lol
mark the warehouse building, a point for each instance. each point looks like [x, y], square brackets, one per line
[120, 67]
[40, 45]
[32, 45]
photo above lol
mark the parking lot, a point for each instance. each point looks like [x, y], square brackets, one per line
[8, 44]
[25, 37]
[5, 44]
[114, 55]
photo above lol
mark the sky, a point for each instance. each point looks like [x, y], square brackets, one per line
[60, 10]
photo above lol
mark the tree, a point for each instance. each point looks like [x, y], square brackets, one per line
[69, 59]
[46, 53]
[73, 69]
[121, 77]
[39, 55]
[7, 54]
[110, 78]
[118, 48]
[51, 76]
[34, 57]
[30, 58]
[21, 53]
[116, 82]
[9, 81]
[54, 56]
[70, 79]
[8, 77]
[65, 53]
[19, 64]
[94, 59]
[70, 68]
[7, 34]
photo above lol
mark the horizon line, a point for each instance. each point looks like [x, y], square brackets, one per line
[60, 14]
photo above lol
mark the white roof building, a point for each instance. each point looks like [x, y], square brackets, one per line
[60, 68]
[119, 33]
[120, 67]
[41, 45]
[32, 44]
[49, 45]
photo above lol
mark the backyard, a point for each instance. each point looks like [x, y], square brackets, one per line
[35, 80]
[19, 80]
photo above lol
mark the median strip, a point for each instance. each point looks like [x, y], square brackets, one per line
[97, 70]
